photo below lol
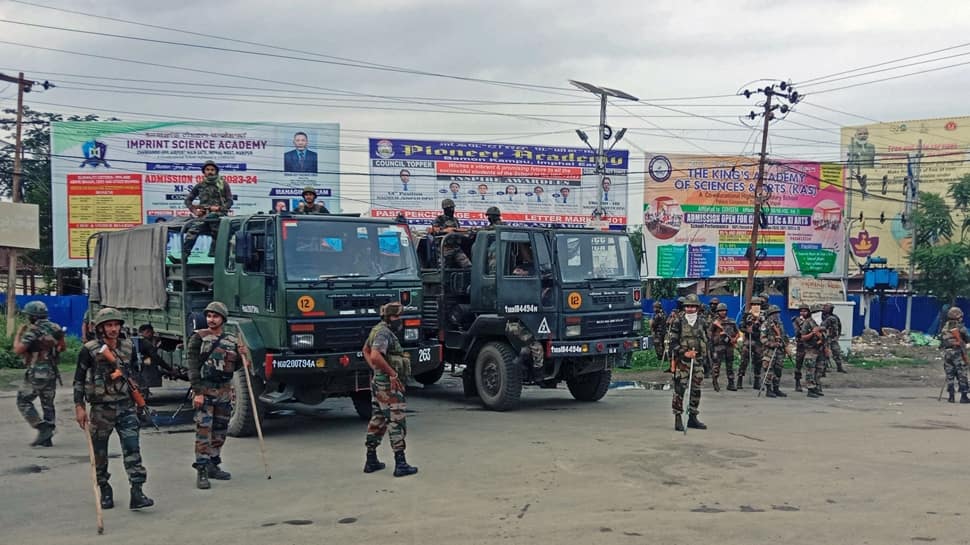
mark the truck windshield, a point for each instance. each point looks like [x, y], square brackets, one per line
[313, 250]
[587, 256]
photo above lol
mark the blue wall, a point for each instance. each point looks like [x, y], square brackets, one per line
[66, 310]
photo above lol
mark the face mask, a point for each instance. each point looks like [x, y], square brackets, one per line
[691, 317]
[212, 177]
[450, 212]
[396, 326]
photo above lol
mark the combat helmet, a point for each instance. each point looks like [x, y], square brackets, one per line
[391, 309]
[447, 203]
[108, 314]
[657, 304]
[309, 189]
[207, 163]
[218, 308]
[773, 309]
[715, 301]
[35, 309]
[953, 314]
[804, 306]
[691, 299]
[721, 306]
[816, 308]
[493, 211]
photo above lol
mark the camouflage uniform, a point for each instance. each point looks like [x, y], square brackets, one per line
[799, 352]
[954, 352]
[814, 360]
[775, 343]
[387, 405]
[43, 338]
[658, 331]
[111, 407]
[724, 333]
[315, 208]
[531, 348]
[212, 379]
[833, 330]
[751, 351]
[209, 193]
[452, 254]
[684, 337]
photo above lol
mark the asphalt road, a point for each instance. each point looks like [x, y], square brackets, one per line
[879, 466]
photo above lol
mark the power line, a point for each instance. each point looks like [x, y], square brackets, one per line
[807, 82]
[928, 70]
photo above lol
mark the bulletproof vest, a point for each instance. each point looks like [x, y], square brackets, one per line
[315, 208]
[831, 325]
[771, 331]
[398, 359]
[807, 326]
[445, 222]
[41, 339]
[692, 336]
[212, 193]
[99, 387]
[752, 326]
[223, 356]
[950, 340]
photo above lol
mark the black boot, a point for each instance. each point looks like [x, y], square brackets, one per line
[139, 499]
[202, 477]
[813, 393]
[757, 382]
[778, 392]
[740, 383]
[678, 423]
[839, 368]
[44, 433]
[401, 467]
[964, 398]
[693, 422]
[769, 392]
[213, 472]
[717, 387]
[372, 464]
[798, 385]
[107, 496]
[949, 390]
[731, 387]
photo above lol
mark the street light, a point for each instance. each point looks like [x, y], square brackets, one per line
[605, 133]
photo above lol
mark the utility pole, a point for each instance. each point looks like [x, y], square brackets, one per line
[912, 247]
[787, 93]
[606, 133]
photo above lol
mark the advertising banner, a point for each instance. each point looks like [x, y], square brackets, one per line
[531, 185]
[881, 160]
[697, 216]
[113, 175]
[813, 290]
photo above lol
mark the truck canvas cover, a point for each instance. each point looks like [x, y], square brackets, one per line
[128, 270]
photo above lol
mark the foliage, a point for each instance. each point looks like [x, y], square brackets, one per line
[932, 220]
[942, 261]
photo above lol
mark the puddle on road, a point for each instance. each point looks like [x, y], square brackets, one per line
[347, 520]
[25, 470]
[784, 508]
[750, 509]
[298, 522]
[706, 509]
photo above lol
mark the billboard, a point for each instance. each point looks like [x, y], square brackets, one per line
[698, 209]
[113, 175]
[880, 159]
[19, 225]
[532, 185]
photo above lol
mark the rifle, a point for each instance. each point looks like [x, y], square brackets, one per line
[685, 401]
[145, 413]
[959, 338]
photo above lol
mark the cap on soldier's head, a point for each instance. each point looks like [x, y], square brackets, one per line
[954, 313]
[493, 211]
[392, 309]
[309, 189]
[35, 309]
[691, 300]
[218, 308]
[447, 203]
[210, 163]
[108, 314]
[715, 301]
[721, 306]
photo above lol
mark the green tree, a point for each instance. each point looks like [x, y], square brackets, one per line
[960, 193]
[942, 262]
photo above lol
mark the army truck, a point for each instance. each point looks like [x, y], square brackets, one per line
[572, 295]
[303, 293]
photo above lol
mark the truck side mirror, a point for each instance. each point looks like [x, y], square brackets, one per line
[244, 247]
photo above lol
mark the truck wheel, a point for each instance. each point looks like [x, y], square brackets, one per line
[430, 377]
[591, 386]
[242, 422]
[362, 404]
[498, 377]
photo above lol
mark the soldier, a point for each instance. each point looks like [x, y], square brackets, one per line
[833, 330]
[688, 344]
[212, 356]
[215, 200]
[724, 337]
[494, 216]
[309, 205]
[710, 311]
[40, 343]
[953, 340]
[448, 223]
[812, 337]
[803, 312]
[751, 349]
[87, 327]
[100, 380]
[658, 329]
[774, 342]
[390, 363]
[673, 317]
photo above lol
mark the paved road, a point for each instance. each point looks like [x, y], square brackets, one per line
[879, 466]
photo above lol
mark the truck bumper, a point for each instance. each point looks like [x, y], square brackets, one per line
[598, 347]
[301, 367]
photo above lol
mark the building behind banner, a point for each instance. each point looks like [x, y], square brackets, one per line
[114, 175]
[698, 213]
[531, 185]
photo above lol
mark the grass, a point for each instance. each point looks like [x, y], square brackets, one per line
[882, 363]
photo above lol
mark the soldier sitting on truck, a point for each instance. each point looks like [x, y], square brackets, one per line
[310, 204]
[447, 223]
[215, 200]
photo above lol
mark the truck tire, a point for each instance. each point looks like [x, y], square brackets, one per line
[591, 386]
[362, 404]
[498, 377]
[430, 377]
[242, 422]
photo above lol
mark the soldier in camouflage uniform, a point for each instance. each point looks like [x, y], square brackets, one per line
[494, 216]
[658, 329]
[803, 311]
[309, 205]
[212, 356]
[775, 343]
[215, 200]
[812, 337]
[447, 223]
[710, 311]
[953, 341]
[751, 349]
[688, 342]
[100, 380]
[833, 330]
[724, 336]
[40, 343]
[390, 364]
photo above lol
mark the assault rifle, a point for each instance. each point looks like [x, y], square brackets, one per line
[145, 413]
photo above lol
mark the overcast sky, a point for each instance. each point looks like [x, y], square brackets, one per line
[654, 50]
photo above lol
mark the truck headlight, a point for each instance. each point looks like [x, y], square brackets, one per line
[410, 334]
[301, 341]
[573, 330]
